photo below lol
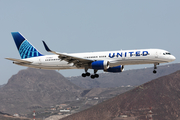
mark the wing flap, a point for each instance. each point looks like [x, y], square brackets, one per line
[77, 61]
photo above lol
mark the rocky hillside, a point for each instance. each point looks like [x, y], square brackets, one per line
[161, 94]
[1, 86]
[33, 89]
[130, 77]
[5, 116]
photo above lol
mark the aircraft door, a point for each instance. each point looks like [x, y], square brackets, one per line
[156, 54]
[123, 56]
[39, 61]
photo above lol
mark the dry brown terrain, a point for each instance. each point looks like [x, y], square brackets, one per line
[33, 89]
[161, 94]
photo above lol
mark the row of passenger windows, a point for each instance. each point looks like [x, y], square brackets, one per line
[95, 57]
[140, 54]
[102, 56]
[51, 59]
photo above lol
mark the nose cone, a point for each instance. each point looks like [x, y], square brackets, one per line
[173, 58]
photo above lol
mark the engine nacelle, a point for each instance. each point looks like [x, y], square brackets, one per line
[115, 69]
[100, 65]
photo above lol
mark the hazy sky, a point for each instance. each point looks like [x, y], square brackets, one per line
[71, 26]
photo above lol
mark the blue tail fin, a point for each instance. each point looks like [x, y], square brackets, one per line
[25, 48]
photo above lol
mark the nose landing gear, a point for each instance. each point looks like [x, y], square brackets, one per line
[154, 71]
[155, 67]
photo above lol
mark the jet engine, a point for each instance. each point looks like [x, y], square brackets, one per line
[115, 69]
[100, 65]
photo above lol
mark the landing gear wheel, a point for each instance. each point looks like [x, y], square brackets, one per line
[92, 76]
[155, 67]
[84, 75]
[87, 74]
[96, 75]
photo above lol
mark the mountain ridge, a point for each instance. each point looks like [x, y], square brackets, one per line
[133, 77]
[34, 88]
[161, 94]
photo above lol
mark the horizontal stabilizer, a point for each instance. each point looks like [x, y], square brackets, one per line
[18, 60]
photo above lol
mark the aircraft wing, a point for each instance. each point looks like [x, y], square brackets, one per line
[77, 61]
[18, 60]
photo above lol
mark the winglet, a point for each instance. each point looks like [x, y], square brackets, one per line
[46, 47]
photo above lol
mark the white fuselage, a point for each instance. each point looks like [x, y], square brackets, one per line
[115, 58]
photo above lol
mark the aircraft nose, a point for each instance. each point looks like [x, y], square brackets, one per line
[173, 58]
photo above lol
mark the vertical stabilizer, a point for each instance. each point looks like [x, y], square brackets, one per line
[25, 48]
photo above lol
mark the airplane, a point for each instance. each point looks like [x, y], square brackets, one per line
[109, 61]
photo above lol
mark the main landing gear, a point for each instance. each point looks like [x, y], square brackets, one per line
[155, 67]
[88, 74]
[95, 75]
[85, 74]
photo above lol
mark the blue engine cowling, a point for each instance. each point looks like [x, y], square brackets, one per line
[115, 69]
[100, 65]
